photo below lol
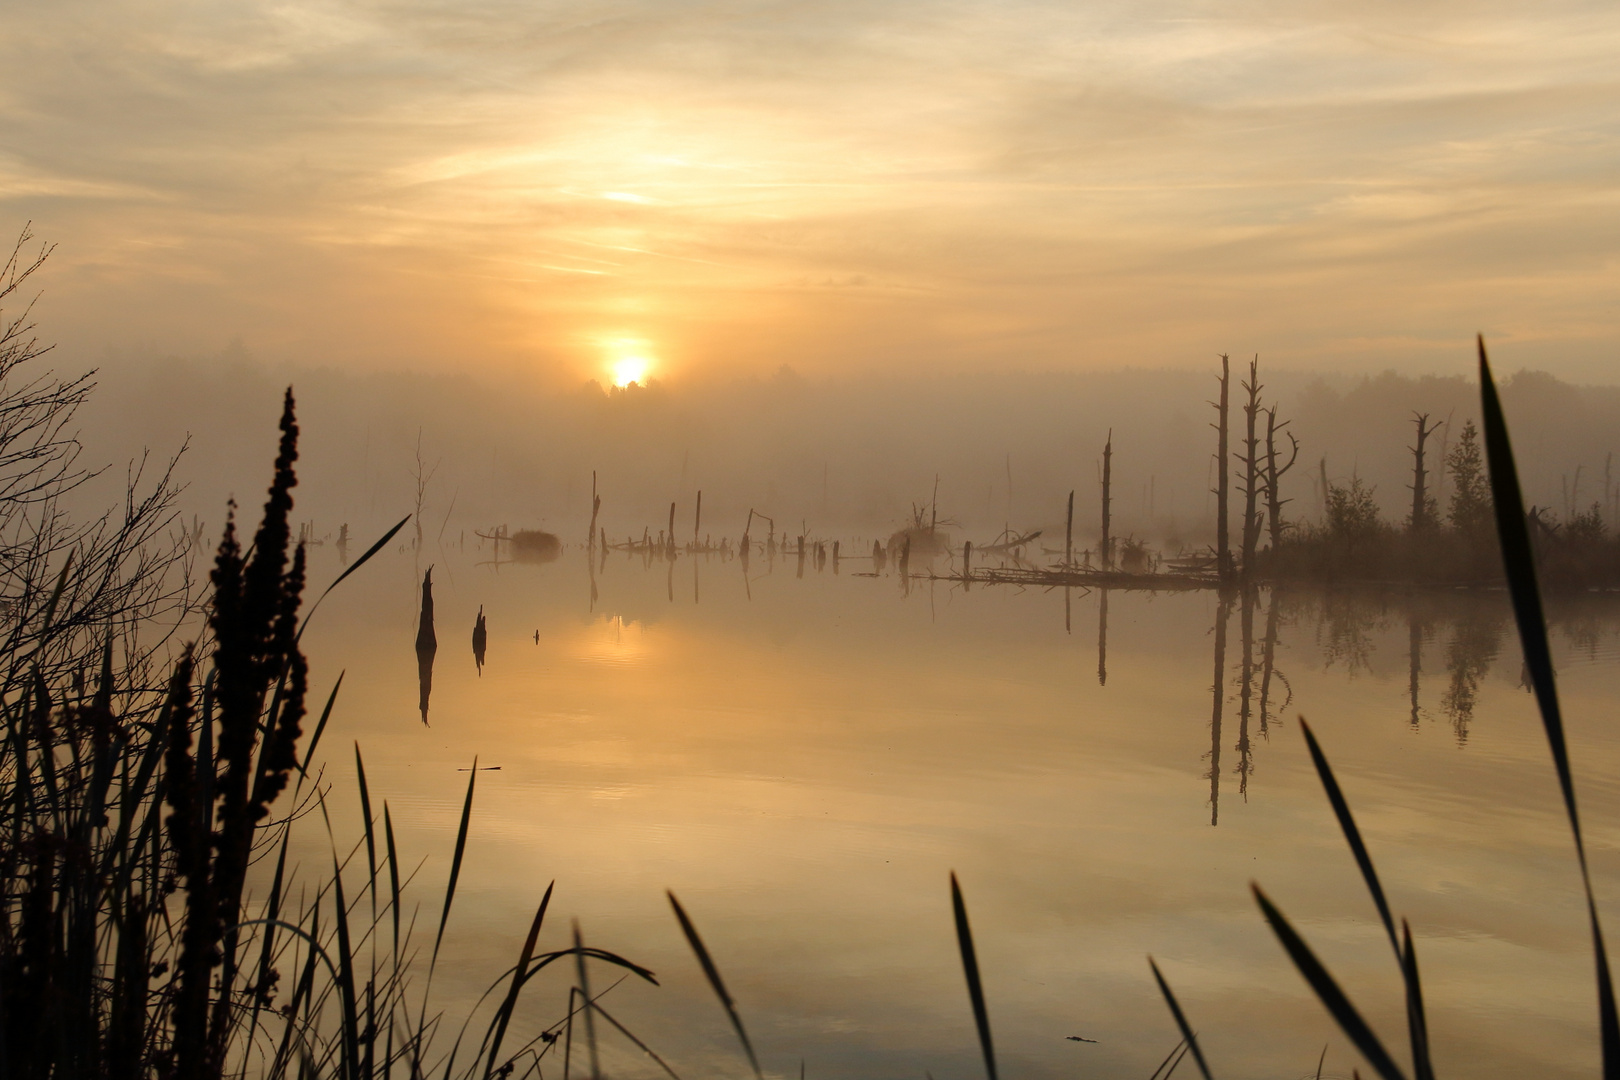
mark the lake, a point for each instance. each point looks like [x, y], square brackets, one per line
[804, 760]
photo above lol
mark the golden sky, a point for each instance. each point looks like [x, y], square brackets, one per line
[915, 185]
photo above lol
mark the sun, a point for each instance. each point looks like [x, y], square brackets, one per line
[631, 369]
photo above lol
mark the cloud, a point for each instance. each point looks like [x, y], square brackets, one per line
[1031, 183]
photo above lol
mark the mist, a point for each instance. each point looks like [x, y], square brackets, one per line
[827, 456]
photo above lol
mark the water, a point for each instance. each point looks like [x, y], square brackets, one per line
[805, 760]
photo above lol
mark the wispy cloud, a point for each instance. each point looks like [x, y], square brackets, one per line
[1037, 184]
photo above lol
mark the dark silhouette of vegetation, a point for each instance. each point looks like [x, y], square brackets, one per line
[132, 815]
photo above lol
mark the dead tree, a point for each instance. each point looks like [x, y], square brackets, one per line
[421, 475]
[596, 506]
[1068, 536]
[1274, 474]
[1251, 468]
[1107, 549]
[1223, 548]
[1420, 496]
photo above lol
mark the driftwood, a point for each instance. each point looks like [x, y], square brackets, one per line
[1008, 541]
[1080, 577]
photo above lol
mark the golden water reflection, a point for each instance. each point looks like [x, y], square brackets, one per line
[804, 759]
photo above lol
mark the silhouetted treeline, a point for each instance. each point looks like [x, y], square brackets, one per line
[822, 456]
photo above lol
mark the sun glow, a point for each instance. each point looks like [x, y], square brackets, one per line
[630, 369]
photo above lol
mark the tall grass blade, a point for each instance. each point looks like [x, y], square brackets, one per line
[272, 914]
[970, 968]
[1417, 1023]
[320, 727]
[351, 1019]
[1187, 1035]
[357, 564]
[504, 1016]
[713, 974]
[568, 1034]
[371, 837]
[1328, 991]
[1518, 561]
[644, 1048]
[587, 1003]
[1352, 835]
[455, 862]
[1174, 1050]
[1422, 1067]
[393, 874]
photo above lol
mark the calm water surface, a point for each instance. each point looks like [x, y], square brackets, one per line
[803, 760]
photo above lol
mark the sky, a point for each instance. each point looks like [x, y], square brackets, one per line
[678, 189]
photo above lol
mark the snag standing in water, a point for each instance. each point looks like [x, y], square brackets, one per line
[480, 637]
[426, 644]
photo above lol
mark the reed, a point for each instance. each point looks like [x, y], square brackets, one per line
[129, 946]
[1519, 566]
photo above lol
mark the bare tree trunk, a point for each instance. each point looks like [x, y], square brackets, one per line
[1322, 497]
[1107, 502]
[1251, 469]
[1420, 475]
[1068, 536]
[596, 506]
[1274, 475]
[1223, 547]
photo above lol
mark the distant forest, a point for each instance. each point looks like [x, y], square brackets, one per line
[833, 456]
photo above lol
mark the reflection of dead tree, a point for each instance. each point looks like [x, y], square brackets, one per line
[1245, 765]
[1414, 663]
[69, 588]
[1268, 670]
[1223, 609]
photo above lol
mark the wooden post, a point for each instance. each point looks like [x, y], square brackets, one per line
[967, 561]
[669, 542]
[697, 518]
[1107, 502]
